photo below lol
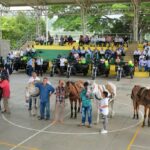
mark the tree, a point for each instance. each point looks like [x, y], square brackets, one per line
[19, 27]
[98, 19]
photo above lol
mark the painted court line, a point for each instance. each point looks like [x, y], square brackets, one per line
[71, 133]
[134, 137]
[32, 136]
[12, 145]
[141, 147]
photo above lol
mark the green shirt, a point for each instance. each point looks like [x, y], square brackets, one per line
[86, 101]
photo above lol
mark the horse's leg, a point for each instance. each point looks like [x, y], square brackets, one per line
[75, 110]
[111, 108]
[145, 111]
[137, 111]
[98, 113]
[134, 107]
[33, 106]
[38, 106]
[79, 107]
[149, 118]
[71, 103]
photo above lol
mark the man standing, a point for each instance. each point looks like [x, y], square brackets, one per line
[39, 62]
[45, 92]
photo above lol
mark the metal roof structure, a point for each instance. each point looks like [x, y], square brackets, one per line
[10, 3]
[84, 4]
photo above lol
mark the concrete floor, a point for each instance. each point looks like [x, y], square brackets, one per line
[19, 131]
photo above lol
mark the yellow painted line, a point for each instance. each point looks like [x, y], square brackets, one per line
[12, 145]
[134, 137]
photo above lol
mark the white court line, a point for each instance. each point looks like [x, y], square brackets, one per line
[141, 147]
[71, 133]
[32, 136]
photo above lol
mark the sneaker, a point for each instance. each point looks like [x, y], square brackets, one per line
[89, 126]
[81, 125]
[104, 131]
[40, 118]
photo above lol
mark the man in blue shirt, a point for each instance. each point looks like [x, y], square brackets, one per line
[45, 92]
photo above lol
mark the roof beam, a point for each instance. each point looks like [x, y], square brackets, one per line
[50, 2]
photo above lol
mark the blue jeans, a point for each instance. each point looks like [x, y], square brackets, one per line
[30, 103]
[29, 70]
[45, 108]
[87, 111]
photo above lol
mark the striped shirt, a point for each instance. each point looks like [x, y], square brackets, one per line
[60, 94]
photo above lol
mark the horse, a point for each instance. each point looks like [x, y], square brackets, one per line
[141, 96]
[72, 90]
[135, 99]
[32, 93]
[97, 90]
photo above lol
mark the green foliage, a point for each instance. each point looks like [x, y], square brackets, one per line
[96, 20]
[15, 28]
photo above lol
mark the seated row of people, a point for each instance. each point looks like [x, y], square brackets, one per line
[108, 53]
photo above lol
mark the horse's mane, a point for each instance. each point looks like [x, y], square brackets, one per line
[141, 91]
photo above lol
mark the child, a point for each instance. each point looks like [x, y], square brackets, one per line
[4, 84]
[60, 102]
[104, 110]
[86, 105]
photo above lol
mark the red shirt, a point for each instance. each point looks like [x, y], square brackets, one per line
[6, 88]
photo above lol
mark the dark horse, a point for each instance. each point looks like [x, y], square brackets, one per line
[141, 96]
[72, 90]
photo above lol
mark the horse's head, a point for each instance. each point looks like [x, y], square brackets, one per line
[31, 90]
[67, 89]
[93, 87]
[135, 91]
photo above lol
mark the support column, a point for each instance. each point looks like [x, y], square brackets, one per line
[38, 17]
[84, 19]
[136, 21]
[84, 5]
[46, 22]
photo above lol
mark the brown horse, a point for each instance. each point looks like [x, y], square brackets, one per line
[141, 96]
[134, 97]
[72, 90]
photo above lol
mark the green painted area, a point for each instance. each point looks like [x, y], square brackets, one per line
[51, 54]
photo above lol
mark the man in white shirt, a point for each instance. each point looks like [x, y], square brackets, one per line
[39, 68]
[62, 64]
[136, 55]
[104, 110]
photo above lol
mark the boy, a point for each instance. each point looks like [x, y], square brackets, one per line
[104, 110]
[86, 105]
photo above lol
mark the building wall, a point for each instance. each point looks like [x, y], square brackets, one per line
[4, 47]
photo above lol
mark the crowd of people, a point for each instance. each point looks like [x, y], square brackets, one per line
[142, 58]
[96, 40]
